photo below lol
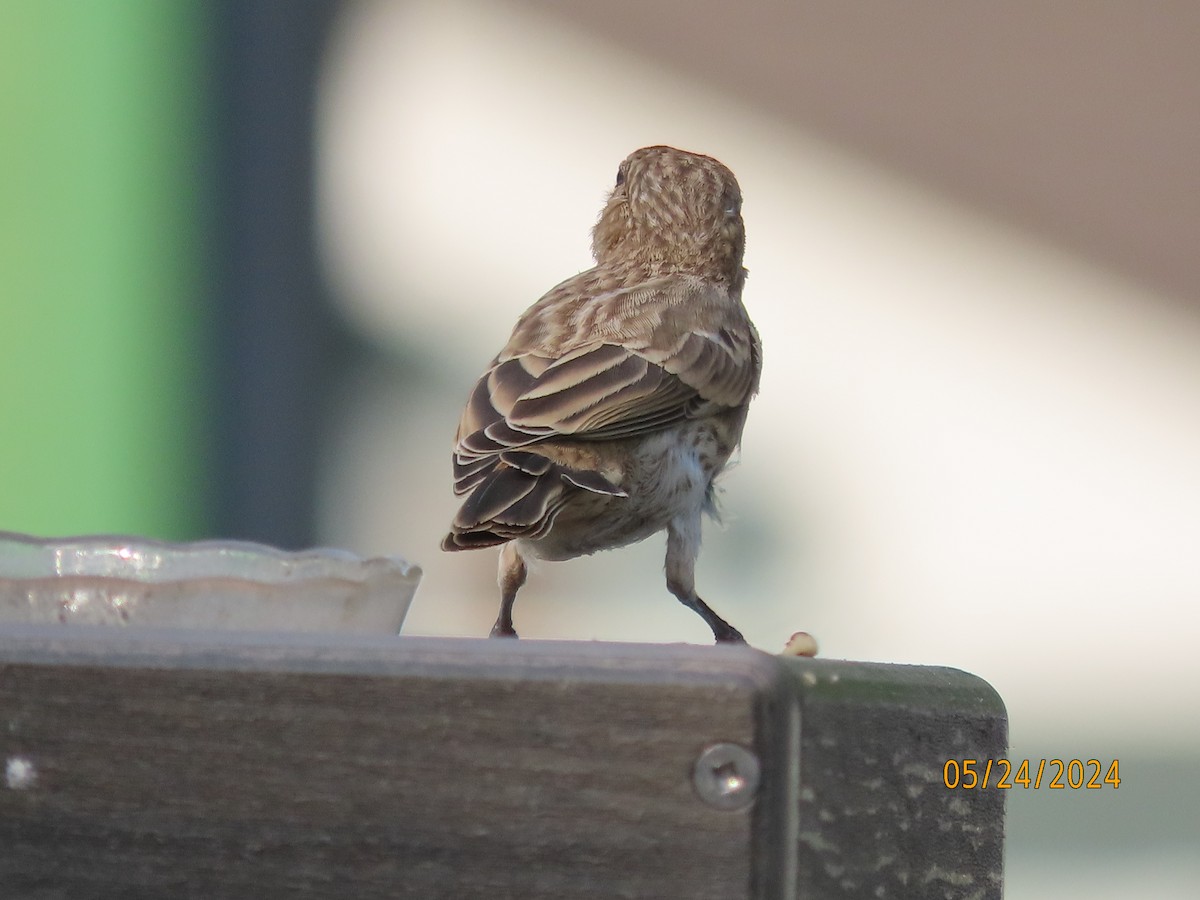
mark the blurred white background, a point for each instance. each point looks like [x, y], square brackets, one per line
[975, 445]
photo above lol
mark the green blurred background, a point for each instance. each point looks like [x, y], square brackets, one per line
[102, 250]
[165, 339]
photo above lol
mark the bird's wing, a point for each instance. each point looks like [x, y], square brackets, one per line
[621, 364]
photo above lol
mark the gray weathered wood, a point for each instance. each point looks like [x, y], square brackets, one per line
[174, 763]
[875, 819]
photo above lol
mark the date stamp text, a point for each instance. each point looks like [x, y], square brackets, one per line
[1053, 774]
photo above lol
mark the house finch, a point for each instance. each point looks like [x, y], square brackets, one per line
[622, 392]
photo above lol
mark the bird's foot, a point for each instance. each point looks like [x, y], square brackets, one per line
[723, 632]
[726, 633]
[503, 631]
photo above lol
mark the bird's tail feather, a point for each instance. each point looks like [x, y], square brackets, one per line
[519, 498]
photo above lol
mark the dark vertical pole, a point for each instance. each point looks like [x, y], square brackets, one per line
[276, 338]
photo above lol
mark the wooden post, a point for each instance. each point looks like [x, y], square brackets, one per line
[170, 763]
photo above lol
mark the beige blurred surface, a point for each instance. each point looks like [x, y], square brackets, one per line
[969, 239]
[1074, 120]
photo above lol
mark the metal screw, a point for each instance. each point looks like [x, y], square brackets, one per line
[727, 776]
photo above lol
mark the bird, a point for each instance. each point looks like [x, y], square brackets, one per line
[621, 393]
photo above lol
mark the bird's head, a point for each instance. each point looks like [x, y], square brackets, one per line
[673, 211]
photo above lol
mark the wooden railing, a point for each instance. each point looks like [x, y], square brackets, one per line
[144, 763]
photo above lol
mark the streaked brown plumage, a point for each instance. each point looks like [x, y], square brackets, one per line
[622, 392]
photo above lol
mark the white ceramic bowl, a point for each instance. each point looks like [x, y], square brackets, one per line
[115, 580]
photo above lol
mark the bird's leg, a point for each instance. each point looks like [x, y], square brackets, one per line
[683, 546]
[510, 578]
